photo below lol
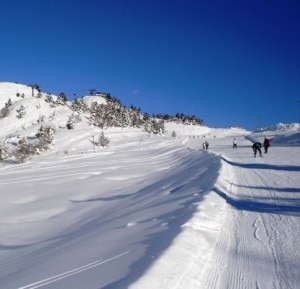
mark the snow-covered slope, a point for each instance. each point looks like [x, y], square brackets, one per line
[149, 211]
[14, 91]
[40, 112]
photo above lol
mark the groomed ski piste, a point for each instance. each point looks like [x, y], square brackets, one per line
[151, 211]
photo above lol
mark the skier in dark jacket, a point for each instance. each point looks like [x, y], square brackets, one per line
[266, 145]
[256, 148]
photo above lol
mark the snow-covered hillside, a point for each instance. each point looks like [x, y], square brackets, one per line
[24, 110]
[148, 210]
[38, 111]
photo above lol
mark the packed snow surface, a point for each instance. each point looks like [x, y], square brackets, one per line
[151, 211]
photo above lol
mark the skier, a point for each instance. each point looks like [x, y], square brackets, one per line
[256, 148]
[266, 145]
[205, 145]
[234, 143]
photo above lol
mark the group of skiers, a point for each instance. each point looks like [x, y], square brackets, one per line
[256, 147]
[205, 145]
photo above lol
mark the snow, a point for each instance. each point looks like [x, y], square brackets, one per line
[148, 211]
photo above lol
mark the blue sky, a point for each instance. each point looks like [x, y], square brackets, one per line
[230, 63]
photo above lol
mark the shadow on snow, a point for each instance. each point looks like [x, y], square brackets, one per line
[181, 192]
[264, 166]
[251, 204]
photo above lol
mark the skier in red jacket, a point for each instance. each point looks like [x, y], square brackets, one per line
[266, 145]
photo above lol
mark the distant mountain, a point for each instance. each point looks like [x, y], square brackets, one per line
[280, 127]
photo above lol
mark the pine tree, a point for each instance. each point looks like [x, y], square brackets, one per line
[62, 98]
[3, 151]
[103, 140]
[8, 104]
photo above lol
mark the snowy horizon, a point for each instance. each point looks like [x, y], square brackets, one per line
[147, 210]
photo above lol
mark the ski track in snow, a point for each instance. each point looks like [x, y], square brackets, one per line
[70, 273]
[242, 259]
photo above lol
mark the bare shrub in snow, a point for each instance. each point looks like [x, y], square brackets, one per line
[74, 118]
[79, 105]
[4, 112]
[62, 99]
[45, 137]
[154, 126]
[24, 150]
[49, 98]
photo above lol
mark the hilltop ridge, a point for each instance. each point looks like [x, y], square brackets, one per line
[25, 111]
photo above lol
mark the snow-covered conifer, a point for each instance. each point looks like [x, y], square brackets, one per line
[21, 112]
[9, 103]
[102, 140]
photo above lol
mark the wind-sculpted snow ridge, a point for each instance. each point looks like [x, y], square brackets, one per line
[64, 218]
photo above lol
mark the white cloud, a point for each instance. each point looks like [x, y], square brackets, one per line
[136, 91]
